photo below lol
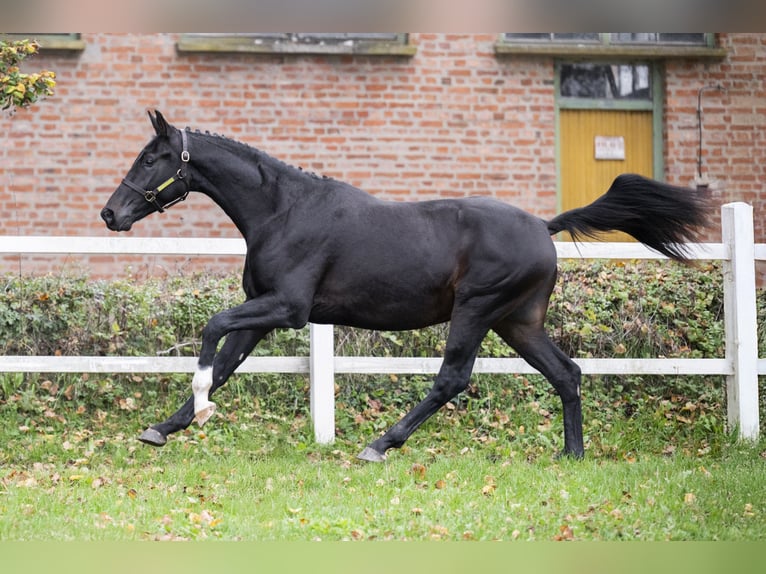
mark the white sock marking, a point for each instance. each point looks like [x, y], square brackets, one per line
[201, 385]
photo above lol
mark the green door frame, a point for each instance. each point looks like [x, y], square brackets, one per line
[656, 105]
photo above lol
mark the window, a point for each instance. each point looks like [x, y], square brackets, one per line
[552, 37]
[644, 45]
[49, 41]
[605, 81]
[695, 39]
[364, 43]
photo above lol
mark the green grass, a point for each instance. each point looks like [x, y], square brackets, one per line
[69, 472]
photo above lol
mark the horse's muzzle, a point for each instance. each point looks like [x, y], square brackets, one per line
[111, 221]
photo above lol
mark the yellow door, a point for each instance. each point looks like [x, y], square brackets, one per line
[595, 147]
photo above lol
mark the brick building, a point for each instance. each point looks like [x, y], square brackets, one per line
[543, 121]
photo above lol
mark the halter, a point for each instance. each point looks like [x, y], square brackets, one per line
[180, 175]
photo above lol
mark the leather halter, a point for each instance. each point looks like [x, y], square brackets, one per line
[180, 176]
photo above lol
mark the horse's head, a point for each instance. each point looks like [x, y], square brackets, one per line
[157, 180]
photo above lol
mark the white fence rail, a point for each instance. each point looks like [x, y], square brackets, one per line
[741, 365]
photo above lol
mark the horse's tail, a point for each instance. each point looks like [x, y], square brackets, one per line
[661, 216]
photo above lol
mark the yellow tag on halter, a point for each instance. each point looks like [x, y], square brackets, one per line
[164, 185]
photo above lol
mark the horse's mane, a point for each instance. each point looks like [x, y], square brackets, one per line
[261, 156]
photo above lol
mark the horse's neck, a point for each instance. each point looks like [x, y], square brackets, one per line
[241, 180]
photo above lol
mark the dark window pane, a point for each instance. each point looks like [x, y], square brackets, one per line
[551, 37]
[345, 37]
[577, 37]
[310, 38]
[605, 81]
[697, 38]
[686, 38]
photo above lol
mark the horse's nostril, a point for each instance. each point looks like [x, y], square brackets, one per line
[107, 215]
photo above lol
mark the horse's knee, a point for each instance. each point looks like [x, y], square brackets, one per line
[446, 389]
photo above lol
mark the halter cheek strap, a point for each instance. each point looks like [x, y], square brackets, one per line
[181, 175]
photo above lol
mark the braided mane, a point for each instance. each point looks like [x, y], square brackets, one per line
[261, 155]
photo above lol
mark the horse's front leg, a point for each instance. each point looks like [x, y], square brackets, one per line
[259, 315]
[235, 350]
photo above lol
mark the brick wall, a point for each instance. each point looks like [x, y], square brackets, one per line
[733, 120]
[453, 120]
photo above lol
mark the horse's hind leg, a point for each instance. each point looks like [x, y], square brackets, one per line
[533, 344]
[462, 345]
[235, 349]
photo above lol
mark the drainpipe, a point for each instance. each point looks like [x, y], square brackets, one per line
[703, 182]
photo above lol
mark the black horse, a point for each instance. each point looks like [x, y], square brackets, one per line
[323, 251]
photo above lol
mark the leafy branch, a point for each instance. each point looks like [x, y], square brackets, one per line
[18, 89]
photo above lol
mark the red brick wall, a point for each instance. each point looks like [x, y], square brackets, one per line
[734, 123]
[453, 120]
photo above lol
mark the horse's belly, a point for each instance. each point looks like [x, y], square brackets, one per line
[383, 309]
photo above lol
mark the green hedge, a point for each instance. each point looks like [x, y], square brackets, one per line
[637, 309]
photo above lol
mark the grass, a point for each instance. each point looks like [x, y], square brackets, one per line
[69, 472]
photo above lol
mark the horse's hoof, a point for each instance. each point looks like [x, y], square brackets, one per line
[153, 437]
[204, 413]
[371, 455]
[570, 455]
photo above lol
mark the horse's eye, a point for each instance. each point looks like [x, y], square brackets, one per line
[149, 161]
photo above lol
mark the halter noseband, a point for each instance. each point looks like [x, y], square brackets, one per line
[181, 175]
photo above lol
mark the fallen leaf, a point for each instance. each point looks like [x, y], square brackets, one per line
[565, 533]
[488, 489]
[419, 471]
[128, 404]
[206, 517]
[440, 484]
[690, 498]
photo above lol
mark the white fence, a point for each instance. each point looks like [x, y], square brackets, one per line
[740, 365]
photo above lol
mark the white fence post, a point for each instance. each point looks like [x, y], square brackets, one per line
[321, 360]
[740, 319]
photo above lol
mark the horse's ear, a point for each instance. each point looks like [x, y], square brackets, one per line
[159, 123]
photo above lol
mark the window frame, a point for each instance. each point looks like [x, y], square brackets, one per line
[605, 47]
[369, 44]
